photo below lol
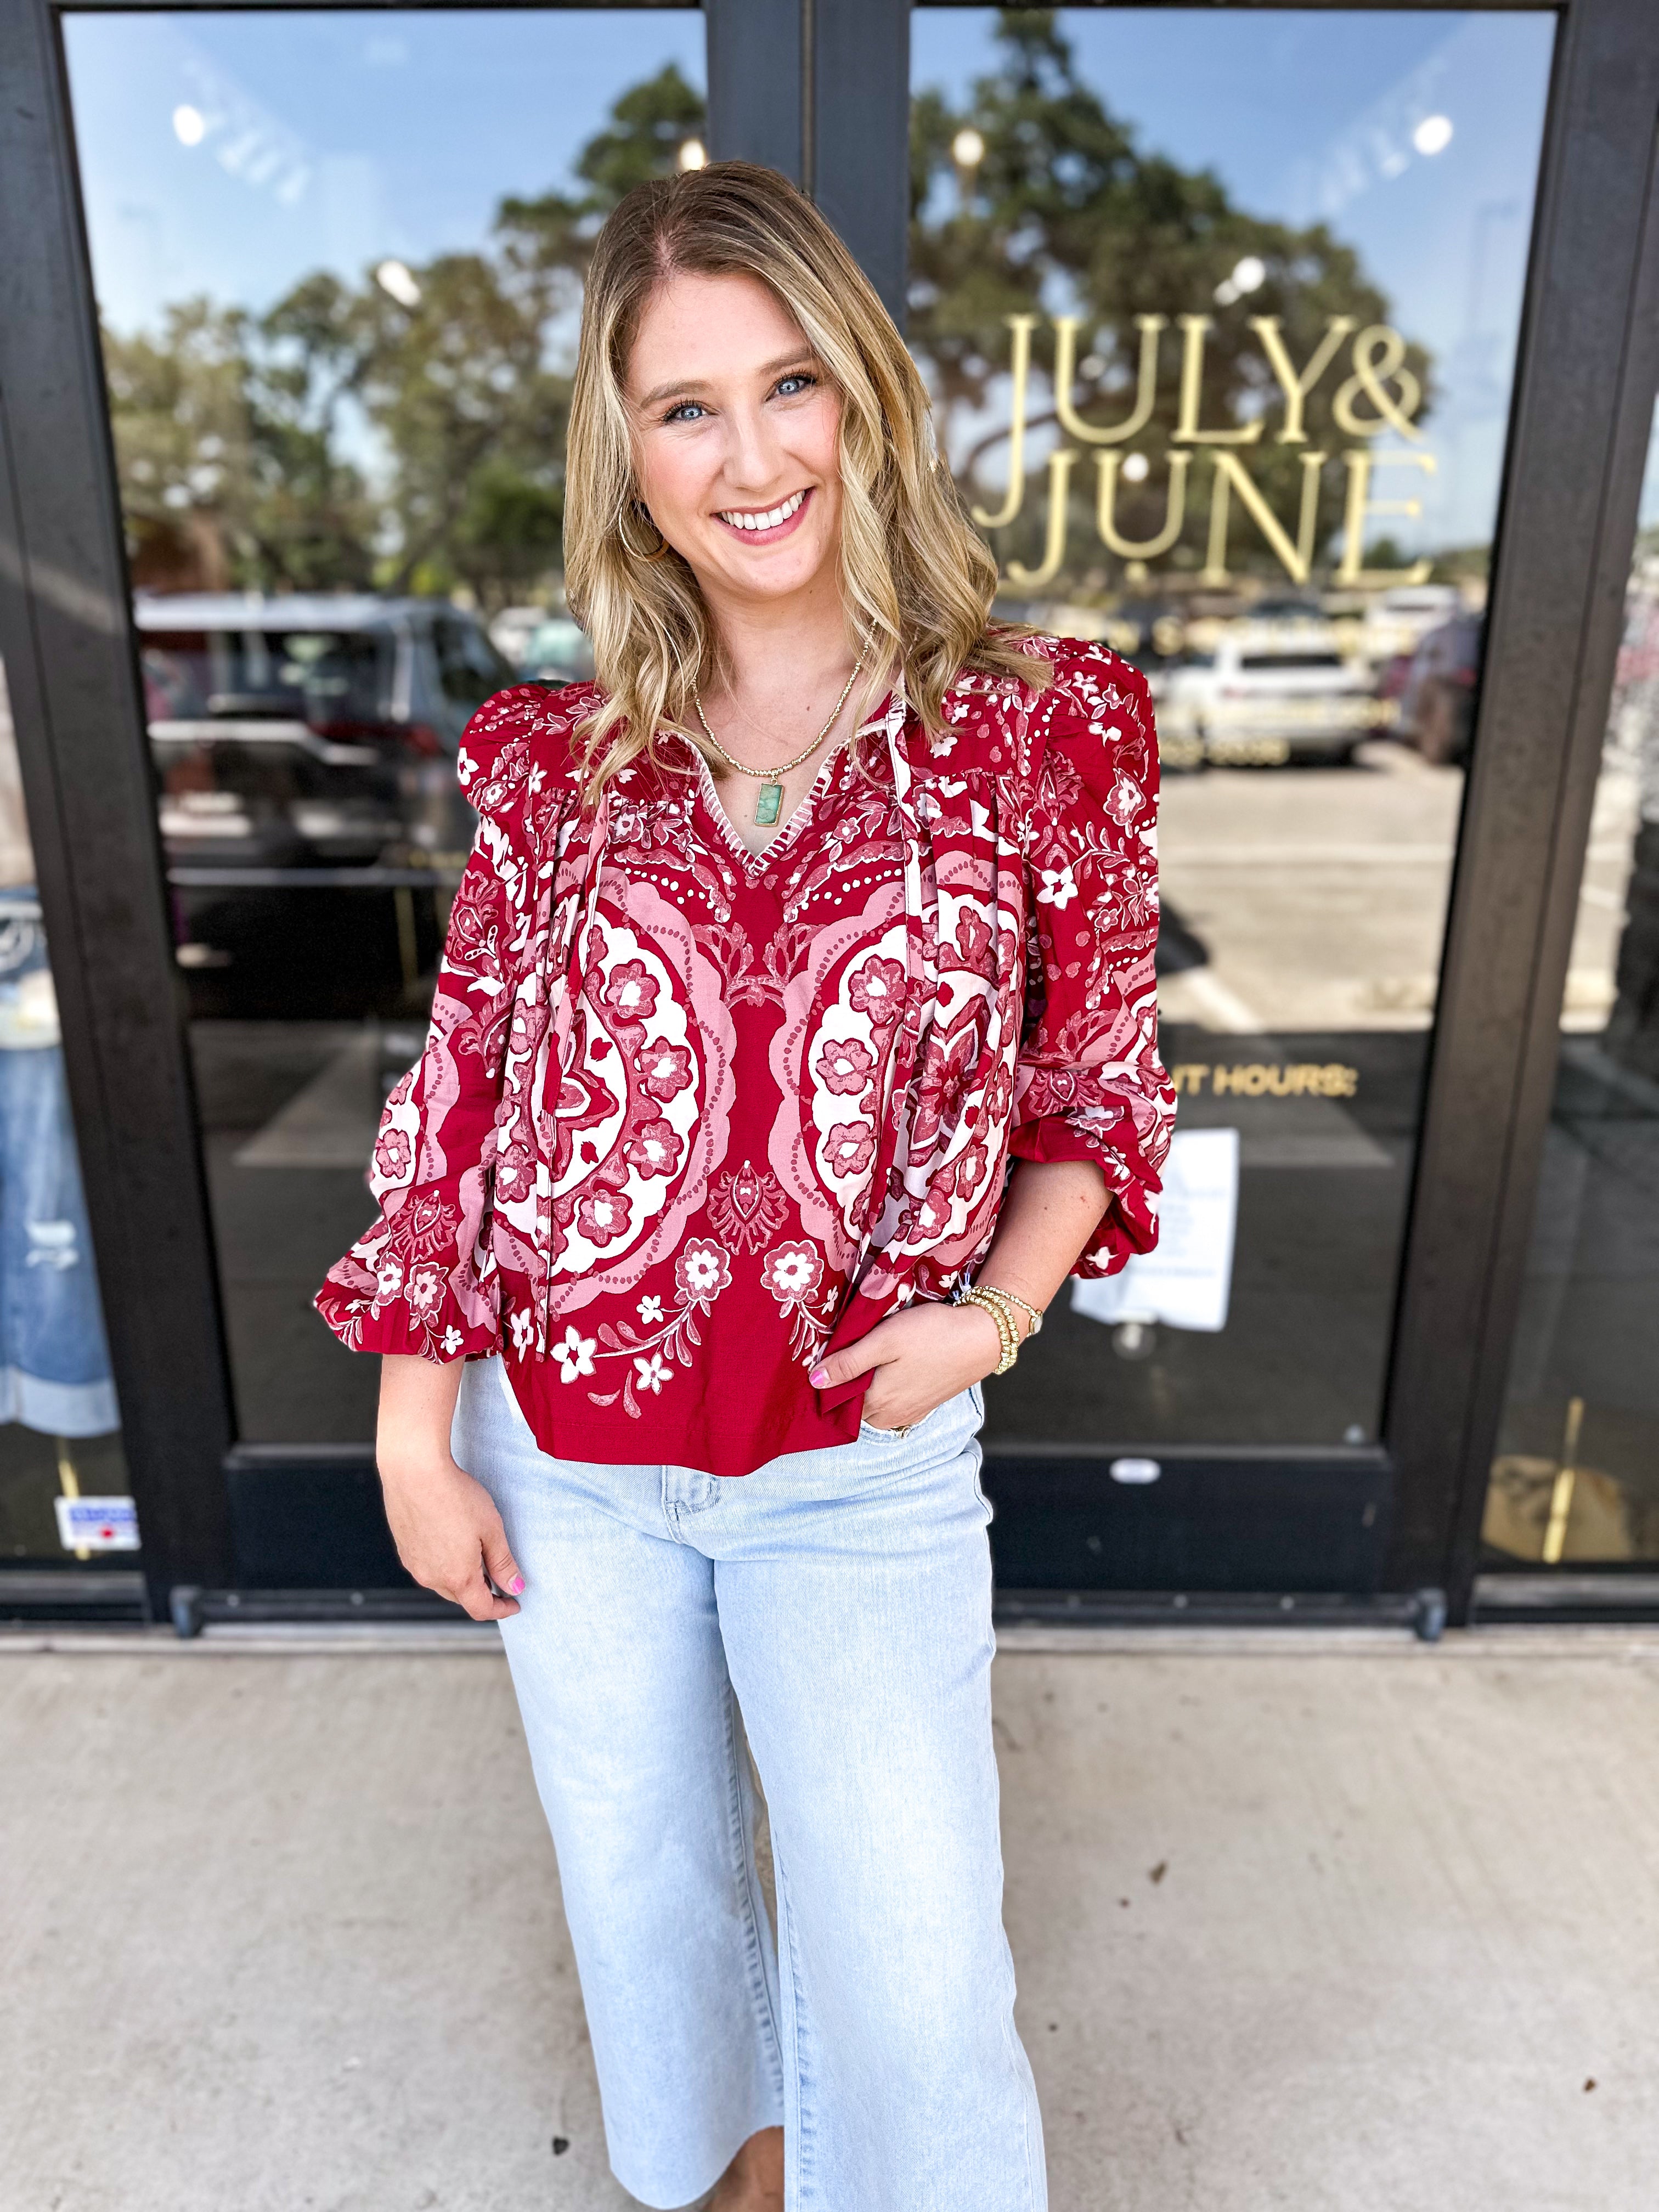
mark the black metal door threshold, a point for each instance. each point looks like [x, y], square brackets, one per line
[193, 1609]
[1422, 1611]
[29, 1595]
[1557, 1601]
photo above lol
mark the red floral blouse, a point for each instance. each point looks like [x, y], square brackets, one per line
[687, 1116]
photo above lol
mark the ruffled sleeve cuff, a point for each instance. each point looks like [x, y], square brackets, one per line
[1106, 1136]
[376, 1300]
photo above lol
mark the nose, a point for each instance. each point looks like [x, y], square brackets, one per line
[752, 458]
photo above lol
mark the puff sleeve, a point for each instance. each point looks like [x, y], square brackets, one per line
[422, 1279]
[1089, 1085]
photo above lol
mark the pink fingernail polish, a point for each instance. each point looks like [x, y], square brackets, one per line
[818, 1378]
[516, 1584]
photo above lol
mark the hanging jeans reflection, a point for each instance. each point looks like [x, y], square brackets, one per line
[54, 1362]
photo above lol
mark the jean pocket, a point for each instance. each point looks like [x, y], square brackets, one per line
[868, 1429]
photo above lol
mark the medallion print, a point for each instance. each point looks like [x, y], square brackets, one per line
[946, 962]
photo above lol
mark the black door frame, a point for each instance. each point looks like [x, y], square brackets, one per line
[821, 90]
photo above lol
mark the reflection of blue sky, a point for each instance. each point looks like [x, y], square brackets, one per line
[1307, 116]
[332, 140]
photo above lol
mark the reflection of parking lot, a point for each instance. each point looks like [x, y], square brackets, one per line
[1314, 898]
[1310, 898]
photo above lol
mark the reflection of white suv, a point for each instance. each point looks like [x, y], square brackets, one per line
[1269, 693]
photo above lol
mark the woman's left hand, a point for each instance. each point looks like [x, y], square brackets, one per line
[915, 1360]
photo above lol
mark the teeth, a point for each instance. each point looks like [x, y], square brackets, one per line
[741, 520]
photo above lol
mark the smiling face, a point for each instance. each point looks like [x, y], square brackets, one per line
[735, 440]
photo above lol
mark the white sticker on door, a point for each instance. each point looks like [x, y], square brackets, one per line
[97, 1524]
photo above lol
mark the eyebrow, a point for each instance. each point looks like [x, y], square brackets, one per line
[688, 387]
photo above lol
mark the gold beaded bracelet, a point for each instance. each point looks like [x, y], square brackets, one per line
[1033, 1314]
[1008, 1336]
[1012, 1304]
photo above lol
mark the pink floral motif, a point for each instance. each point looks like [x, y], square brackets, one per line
[423, 1289]
[664, 1070]
[702, 1269]
[973, 940]
[515, 1173]
[392, 1154]
[844, 1066]
[603, 1215]
[792, 1271]
[630, 992]
[1127, 800]
[876, 990]
[848, 1148]
[654, 1149]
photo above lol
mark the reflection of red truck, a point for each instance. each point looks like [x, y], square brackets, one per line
[1437, 706]
[310, 732]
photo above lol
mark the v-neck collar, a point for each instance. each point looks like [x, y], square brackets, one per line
[755, 864]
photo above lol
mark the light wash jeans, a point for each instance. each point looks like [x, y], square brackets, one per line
[845, 1597]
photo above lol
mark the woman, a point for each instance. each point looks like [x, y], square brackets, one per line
[777, 944]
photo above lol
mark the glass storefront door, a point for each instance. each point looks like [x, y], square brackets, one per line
[1220, 312]
[1220, 307]
[338, 261]
[1576, 1479]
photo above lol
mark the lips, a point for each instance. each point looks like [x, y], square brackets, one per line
[758, 522]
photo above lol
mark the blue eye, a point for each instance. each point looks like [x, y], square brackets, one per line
[685, 411]
[798, 381]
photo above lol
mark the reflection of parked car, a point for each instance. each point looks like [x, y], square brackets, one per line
[512, 629]
[557, 652]
[310, 732]
[1268, 694]
[1437, 707]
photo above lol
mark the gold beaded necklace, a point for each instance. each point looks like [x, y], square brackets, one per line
[769, 803]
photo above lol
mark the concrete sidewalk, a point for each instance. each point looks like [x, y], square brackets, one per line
[1301, 1923]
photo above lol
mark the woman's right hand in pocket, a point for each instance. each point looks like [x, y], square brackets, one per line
[447, 1531]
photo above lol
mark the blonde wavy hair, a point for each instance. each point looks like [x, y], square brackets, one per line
[916, 581]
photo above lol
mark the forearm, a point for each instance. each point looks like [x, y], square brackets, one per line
[445, 1526]
[417, 1406]
[1049, 1211]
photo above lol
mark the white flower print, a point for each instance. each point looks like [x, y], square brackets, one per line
[523, 1328]
[452, 1339]
[649, 1310]
[574, 1355]
[1058, 886]
[650, 1374]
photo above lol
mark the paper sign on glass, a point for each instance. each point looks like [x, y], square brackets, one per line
[1187, 1280]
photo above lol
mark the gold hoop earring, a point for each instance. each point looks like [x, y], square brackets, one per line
[633, 550]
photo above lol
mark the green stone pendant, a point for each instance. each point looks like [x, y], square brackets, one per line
[768, 805]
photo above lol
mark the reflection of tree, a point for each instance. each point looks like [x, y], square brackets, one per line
[224, 440]
[1064, 214]
[229, 426]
